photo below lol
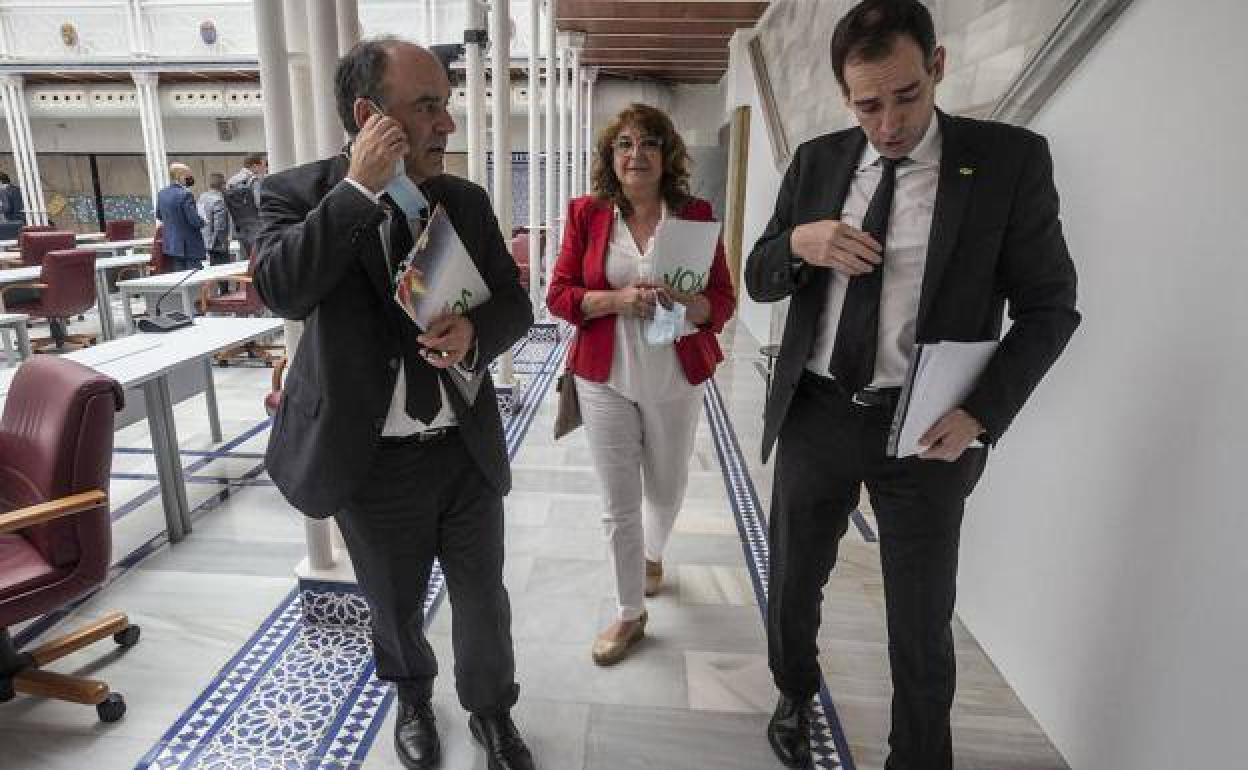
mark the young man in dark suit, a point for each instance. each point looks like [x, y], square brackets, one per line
[371, 428]
[914, 226]
[182, 235]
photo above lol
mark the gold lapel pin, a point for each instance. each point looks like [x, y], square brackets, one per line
[966, 171]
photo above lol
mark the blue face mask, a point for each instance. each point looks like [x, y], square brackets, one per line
[406, 194]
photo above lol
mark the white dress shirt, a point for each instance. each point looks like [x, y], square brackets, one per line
[398, 421]
[905, 256]
[639, 371]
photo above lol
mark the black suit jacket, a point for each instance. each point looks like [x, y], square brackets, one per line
[995, 238]
[320, 261]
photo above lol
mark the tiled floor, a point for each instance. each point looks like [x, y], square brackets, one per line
[695, 695]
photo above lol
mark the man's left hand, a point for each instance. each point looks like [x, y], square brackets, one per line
[950, 436]
[447, 340]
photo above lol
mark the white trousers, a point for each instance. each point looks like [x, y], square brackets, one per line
[639, 450]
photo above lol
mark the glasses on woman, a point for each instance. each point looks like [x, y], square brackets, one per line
[626, 145]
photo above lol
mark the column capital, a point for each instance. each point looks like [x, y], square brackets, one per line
[12, 80]
[589, 74]
[145, 78]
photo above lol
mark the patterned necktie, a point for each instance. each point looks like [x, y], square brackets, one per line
[424, 400]
[853, 353]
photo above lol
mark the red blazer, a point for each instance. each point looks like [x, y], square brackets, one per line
[582, 267]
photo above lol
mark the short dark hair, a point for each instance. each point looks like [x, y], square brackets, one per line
[871, 28]
[254, 160]
[359, 76]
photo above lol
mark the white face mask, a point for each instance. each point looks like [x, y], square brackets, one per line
[666, 325]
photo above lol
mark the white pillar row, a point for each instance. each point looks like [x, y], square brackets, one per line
[296, 23]
[323, 60]
[474, 74]
[25, 161]
[348, 25]
[149, 114]
[553, 213]
[574, 80]
[279, 130]
[591, 77]
[535, 157]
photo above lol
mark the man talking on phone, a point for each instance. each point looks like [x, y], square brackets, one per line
[371, 429]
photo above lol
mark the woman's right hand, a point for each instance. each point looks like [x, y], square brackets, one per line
[639, 301]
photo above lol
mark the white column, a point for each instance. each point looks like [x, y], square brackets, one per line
[591, 77]
[565, 125]
[577, 137]
[279, 131]
[474, 74]
[429, 25]
[500, 34]
[25, 161]
[553, 213]
[323, 55]
[535, 165]
[136, 29]
[348, 26]
[149, 114]
[296, 24]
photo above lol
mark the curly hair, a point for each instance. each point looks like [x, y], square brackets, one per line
[673, 185]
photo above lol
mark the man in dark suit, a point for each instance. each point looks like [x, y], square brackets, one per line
[11, 206]
[914, 226]
[183, 238]
[371, 427]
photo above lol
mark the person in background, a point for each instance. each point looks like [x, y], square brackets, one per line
[183, 237]
[639, 402]
[11, 206]
[242, 200]
[216, 224]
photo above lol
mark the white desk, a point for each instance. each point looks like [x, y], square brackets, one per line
[144, 361]
[184, 283]
[116, 246]
[102, 266]
[80, 238]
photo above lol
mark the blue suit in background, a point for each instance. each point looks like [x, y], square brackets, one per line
[183, 239]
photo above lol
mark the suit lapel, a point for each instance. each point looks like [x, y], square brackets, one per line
[953, 192]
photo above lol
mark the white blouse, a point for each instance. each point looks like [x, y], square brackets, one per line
[640, 371]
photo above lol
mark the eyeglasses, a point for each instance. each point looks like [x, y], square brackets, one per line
[625, 144]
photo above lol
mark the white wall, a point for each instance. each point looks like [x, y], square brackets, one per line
[1103, 558]
[124, 135]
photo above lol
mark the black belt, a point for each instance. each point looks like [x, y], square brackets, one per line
[867, 398]
[422, 437]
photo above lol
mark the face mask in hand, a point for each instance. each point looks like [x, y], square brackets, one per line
[406, 194]
[666, 325]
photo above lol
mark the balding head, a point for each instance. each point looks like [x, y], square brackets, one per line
[179, 172]
[361, 73]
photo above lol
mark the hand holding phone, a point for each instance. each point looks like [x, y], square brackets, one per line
[380, 144]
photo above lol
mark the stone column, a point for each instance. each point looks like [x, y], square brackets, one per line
[574, 81]
[474, 73]
[296, 24]
[279, 132]
[348, 25]
[25, 161]
[591, 77]
[535, 158]
[554, 213]
[323, 59]
[149, 114]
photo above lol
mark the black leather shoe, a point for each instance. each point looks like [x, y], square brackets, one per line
[788, 732]
[504, 748]
[416, 736]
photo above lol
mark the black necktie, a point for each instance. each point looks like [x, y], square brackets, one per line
[424, 401]
[853, 354]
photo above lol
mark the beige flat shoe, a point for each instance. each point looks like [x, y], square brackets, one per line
[607, 652]
[654, 577]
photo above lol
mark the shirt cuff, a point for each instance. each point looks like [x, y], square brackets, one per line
[367, 193]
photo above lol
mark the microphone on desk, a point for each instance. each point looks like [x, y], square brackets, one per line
[175, 320]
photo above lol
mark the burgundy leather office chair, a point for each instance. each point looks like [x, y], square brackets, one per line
[157, 265]
[66, 288]
[242, 301]
[35, 245]
[56, 452]
[119, 230]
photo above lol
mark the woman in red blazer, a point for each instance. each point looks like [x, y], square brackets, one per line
[639, 399]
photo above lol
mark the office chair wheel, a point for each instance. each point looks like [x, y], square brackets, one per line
[127, 637]
[111, 708]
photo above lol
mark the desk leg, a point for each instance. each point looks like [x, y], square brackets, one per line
[127, 316]
[168, 458]
[103, 305]
[210, 393]
[23, 340]
[187, 307]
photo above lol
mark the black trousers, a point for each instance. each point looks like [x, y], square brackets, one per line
[828, 448]
[421, 501]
